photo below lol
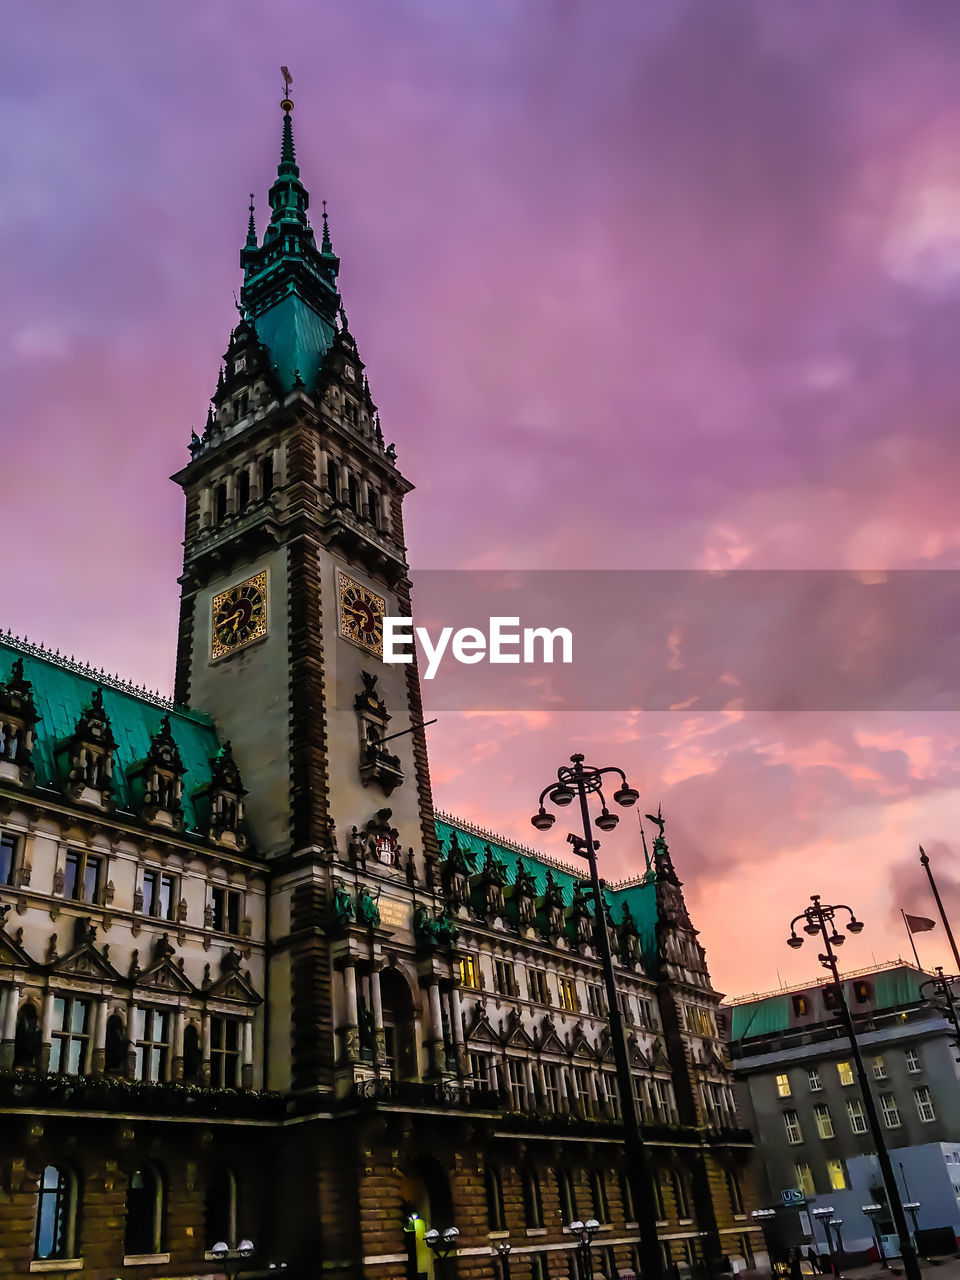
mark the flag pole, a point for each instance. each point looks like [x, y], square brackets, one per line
[925, 862]
[912, 943]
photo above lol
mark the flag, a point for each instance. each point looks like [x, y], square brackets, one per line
[919, 924]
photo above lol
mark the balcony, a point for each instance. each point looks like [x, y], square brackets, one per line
[31, 1092]
[444, 1094]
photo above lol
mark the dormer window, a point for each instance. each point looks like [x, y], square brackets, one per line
[18, 721]
[239, 364]
[222, 799]
[157, 780]
[88, 755]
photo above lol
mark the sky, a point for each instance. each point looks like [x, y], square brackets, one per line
[670, 285]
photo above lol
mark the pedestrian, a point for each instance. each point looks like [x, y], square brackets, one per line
[795, 1270]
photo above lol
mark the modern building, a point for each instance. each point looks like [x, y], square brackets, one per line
[799, 1089]
[253, 986]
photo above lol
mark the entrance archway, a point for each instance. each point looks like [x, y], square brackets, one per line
[428, 1203]
[399, 1026]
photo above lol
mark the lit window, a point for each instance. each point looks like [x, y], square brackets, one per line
[879, 1070]
[55, 1214]
[913, 1060]
[924, 1104]
[783, 1086]
[71, 1036]
[467, 965]
[845, 1072]
[568, 995]
[858, 1121]
[837, 1175]
[814, 1081]
[805, 1179]
[791, 1123]
[824, 1121]
[891, 1112]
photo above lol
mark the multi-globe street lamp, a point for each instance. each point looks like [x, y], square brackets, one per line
[233, 1261]
[504, 1249]
[873, 1212]
[817, 919]
[578, 781]
[823, 1216]
[938, 991]
[584, 1232]
[442, 1243]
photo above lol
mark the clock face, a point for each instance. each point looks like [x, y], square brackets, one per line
[361, 614]
[239, 616]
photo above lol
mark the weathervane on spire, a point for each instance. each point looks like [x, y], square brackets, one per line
[287, 103]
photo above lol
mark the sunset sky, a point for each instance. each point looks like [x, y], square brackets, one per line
[659, 284]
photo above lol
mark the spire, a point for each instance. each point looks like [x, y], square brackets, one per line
[326, 244]
[251, 228]
[288, 156]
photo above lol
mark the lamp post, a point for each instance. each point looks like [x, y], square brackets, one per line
[442, 1243]
[823, 1216]
[584, 1232]
[817, 917]
[873, 1212]
[578, 781]
[504, 1249]
[233, 1260]
[938, 991]
[837, 1223]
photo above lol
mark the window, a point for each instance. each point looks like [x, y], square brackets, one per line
[496, 1216]
[71, 1036]
[84, 873]
[479, 1064]
[144, 1229]
[243, 477]
[8, 849]
[791, 1122]
[596, 1000]
[858, 1121]
[626, 1195]
[538, 1267]
[160, 894]
[699, 1020]
[924, 1104]
[612, 1088]
[783, 1086]
[735, 1190]
[801, 1006]
[537, 986]
[845, 1072]
[503, 980]
[837, 1175]
[26, 1043]
[55, 1214]
[220, 1209]
[890, 1110]
[879, 1070]
[192, 1054]
[532, 1202]
[516, 1076]
[467, 965]
[551, 1087]
[266, 477]
[220, 504]
[680, 1196]
[824, 1121]
[226, 909]
[598, 1191]
[568, 1197]
[568, 995]
[224, 1052]
[913, 1060]
[805, 1179]
[862, 991]
[814, 1081]
[581, 1079]
[151, 1037]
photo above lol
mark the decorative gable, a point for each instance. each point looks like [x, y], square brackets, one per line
[377, 764]
[220, 802]
[18, 720]
[157, 782]
[87, 756]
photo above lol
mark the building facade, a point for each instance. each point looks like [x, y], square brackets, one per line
[800, 1092]
[253, 985]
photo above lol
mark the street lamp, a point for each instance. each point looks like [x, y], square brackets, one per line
[817, 919]
[939, 992]
[823, 1216]
[443, 1243]
[232, 1260]
[837, 1223]
[578, 781]
[504, 1249]
[873, 1212]
[584, 1232]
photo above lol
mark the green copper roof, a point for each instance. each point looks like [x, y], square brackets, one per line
[297, 338]
[62, 693]
[640, 897]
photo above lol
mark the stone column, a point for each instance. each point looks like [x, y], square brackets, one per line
[344, 484]
[384, 514]
[206, 507]
[247, 1073]
[562, 1089]
[231, 494]
[364, 499]
[376, 1004]
[131, 1070]
[11, 999]
[528, 1076]
[351, 1027]
[46, 1030]
[99, 1061]
[179, 1031]
[279, 473]
[592, 1090]
[437, 1055]
[205, 1042]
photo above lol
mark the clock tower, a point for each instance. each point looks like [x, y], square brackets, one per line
[293, 553]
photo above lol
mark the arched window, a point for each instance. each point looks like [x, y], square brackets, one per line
[192, 1054]
[243, 488]
[568, 1197]
[220, 504]
[115, 1047]
[56, 1214]
[266, 476]
[659, 1201]
[626, 1194]
[221, 1209]
[353, 493]
[26, 1043]
[333, 472]
[145, 1212]
[680, 1195]
[598, 1188]
[532, 1200]
[538, 1267]
[496, 1216]
[736, 1191]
